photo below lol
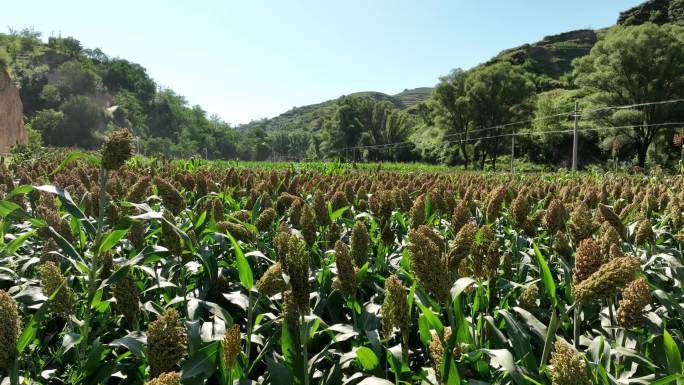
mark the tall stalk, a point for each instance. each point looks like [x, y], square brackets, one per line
[550, 334]
[92, 271]
[612, 317]
[248, 347]
[551, 331]
[304, 337]
[14, 372]
[405, 344]
[576, 327]
[450, 315]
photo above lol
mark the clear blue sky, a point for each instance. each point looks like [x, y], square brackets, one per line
[252, 59]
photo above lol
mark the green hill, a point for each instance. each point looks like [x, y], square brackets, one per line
[311, 117]
[413, 96]
[654, 11]
[553, 55]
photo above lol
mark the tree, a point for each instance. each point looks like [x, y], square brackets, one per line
[5, 60]
[75, 78]
[452, 110]
[344, 128]
[66, 45]
[299, 143]
[280, 143]
[124, 75]
[130, 113]
[496, 94]
[360, 121]
[635, 65]
[82, 117]
[47, 122]
[260, 144]
[51, 96]
[166, 115]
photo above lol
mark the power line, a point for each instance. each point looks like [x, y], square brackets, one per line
[374, 146]
[635, 105]
[539, 133]
[546, 117]
[461, 139]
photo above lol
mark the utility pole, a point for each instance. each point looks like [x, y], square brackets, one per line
[513, 150]
[574, 138]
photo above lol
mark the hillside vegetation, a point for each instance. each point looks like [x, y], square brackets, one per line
[312, 116]
[73, 96]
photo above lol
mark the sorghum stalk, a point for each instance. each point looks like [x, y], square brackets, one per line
[551, 331]
[576, 326]
[304, 335]
[248, 342]
[92, 272]
[612, 316]
[450, 315]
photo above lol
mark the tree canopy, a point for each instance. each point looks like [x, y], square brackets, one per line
[635, 65]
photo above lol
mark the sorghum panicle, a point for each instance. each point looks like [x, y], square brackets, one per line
[417, 212]
[528, 298]
[166, 342]
[568, 366]
[494, 202]
[238, 231]
[139, 191]
[519, 210]
[298, 271]
[554, 219]
[346, 277]
[644, 233]
[117, 149]
[606, 214]
[320, 208]
[272, 281]
[309, 224]
[231, 345]
[360, 242]
[52, 279]
[608, 237]
[425, 258]
[47, 253]
[9, 332]
[126, 293]
[608, 280]
[587, 260]
[460, 216]
[394, 306]
[265, 219]
[635, 297]
[581, 224]
[170, 195]
[561, 245]
[169, 378]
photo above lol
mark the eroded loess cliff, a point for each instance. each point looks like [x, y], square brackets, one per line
[12, 130]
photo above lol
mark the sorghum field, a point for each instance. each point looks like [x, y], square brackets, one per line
[129, 271]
